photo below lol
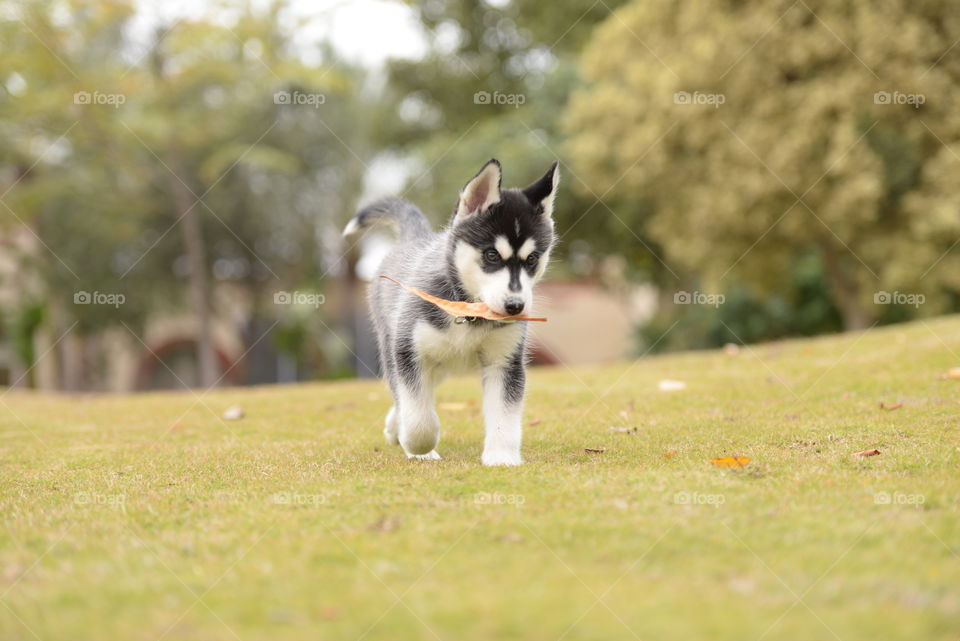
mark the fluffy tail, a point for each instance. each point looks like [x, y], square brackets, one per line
[409, 221]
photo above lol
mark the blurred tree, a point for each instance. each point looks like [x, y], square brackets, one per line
[493, 84]
[209, 154]
[813, 127]
[507, 47]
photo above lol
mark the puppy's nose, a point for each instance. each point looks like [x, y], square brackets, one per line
[513, 306]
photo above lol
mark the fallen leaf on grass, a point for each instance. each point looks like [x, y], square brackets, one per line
[595, 450]
[670, 454]
[730, 461]
[867, 453]
[462, 308]
[176, 427]
[535, 421]
[953, 372]
[12, 573]
[890, 407]
[330, 613]
[625, 430]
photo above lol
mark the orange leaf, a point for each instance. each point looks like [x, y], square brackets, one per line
[670, 454]
[890, 407]
[535, 421]
[460, 308]
[867, 453]
[730, 461]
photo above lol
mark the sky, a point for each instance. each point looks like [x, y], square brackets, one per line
[363, 31]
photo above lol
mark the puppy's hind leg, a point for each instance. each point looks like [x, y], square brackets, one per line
[391, 428]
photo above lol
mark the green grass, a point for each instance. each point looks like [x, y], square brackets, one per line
[298, 522]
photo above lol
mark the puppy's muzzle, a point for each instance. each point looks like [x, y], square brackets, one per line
[513, 306]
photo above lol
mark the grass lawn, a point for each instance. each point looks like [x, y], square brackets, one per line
[147, 517]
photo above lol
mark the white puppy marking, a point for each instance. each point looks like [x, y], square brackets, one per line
[456, 348]
[494, 288]
[528, 246]
[431, 456]
[462, 347]
[391, 428]
[467, 260]
[548, 201]
[503, 425]
[503, 246]
[481, 192]
[419, 428]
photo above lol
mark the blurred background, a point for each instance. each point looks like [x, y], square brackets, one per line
[174, 175]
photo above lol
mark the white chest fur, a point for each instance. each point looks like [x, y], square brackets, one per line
[463, 346]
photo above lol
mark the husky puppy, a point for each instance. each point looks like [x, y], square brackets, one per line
[494, 251]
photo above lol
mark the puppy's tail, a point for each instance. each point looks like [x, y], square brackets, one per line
[409, 221]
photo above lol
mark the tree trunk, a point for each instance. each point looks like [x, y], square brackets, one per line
[199, 283]
[846, 290]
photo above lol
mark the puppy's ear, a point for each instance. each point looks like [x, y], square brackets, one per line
[480, 192]
[543, 191]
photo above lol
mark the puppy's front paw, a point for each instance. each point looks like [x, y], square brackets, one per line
[429, 456]
[501, 457]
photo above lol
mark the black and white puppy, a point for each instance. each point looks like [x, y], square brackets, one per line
[494, 251]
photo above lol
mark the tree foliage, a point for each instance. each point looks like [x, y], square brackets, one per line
[153, 168]
[813, 128]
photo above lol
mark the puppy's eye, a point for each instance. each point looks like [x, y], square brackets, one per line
[491, 256]
[532, 259]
